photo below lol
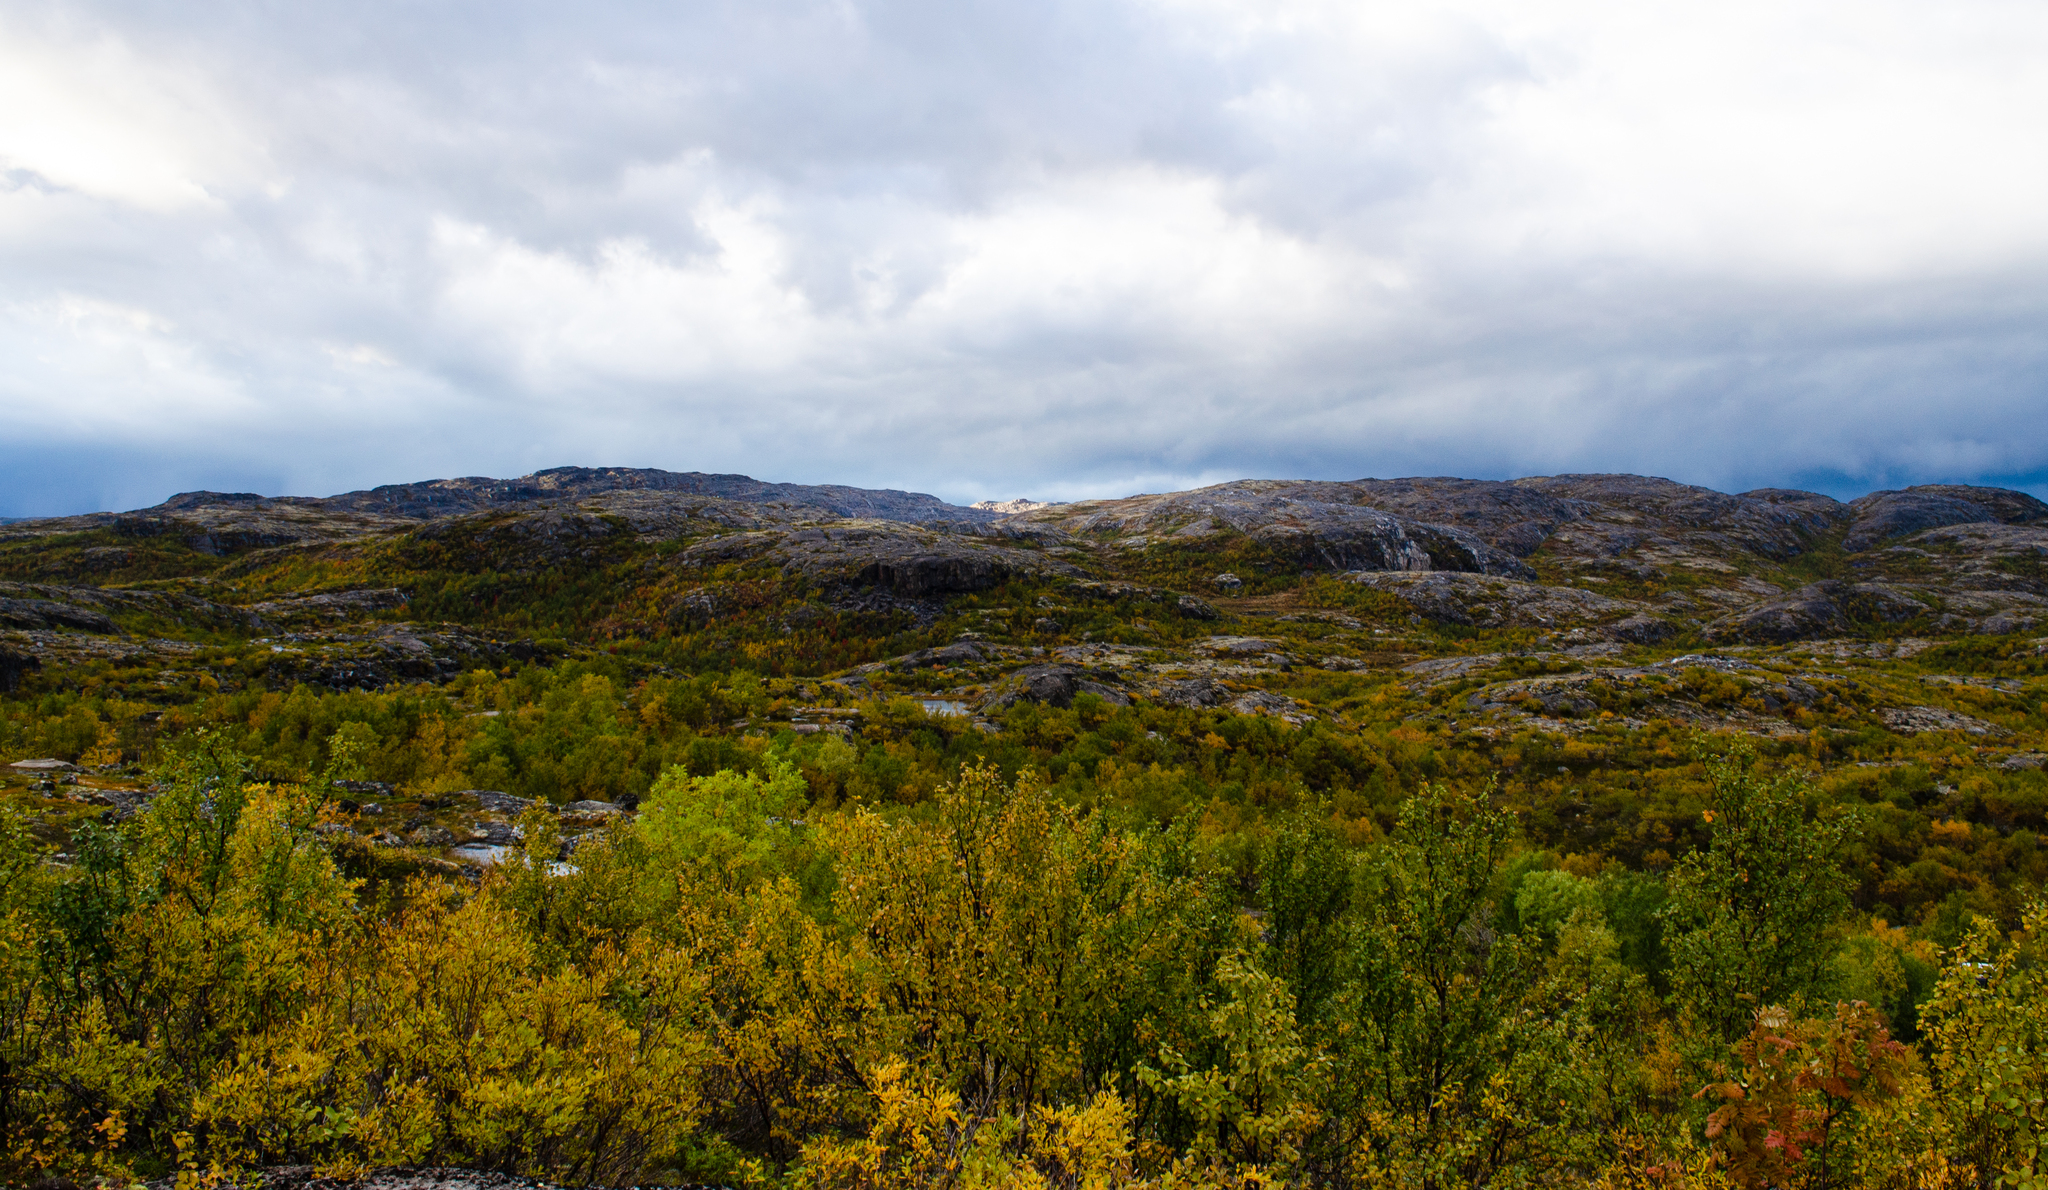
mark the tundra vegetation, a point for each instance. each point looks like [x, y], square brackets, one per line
[639, 834]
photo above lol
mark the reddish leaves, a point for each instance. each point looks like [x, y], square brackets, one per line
[1794, 1084]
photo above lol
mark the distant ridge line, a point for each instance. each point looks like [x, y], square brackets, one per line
[434, 499]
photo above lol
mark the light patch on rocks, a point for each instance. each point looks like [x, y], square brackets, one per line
[1919, 720]
[1487, 601]
[1259, 702]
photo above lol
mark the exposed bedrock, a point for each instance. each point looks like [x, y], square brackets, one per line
[1881, 516]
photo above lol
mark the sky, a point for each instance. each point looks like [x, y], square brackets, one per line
[1038, 248]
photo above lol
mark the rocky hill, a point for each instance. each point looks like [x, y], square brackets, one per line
[1559, 602]
[1606, 557]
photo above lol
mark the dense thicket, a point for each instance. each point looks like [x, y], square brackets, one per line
[1942, 837]
[996, 985]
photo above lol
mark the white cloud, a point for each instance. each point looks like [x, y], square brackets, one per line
[1853, 142]
[81, 110]
[1043, 248]
[82, 367]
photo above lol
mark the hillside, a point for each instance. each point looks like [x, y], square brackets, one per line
[1558, 608]
[1219, 671]
[1568, 607]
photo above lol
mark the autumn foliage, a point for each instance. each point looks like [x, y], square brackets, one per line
[995, 987]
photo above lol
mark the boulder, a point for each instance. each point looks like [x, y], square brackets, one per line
[1192, 694]
[1055, 685]
[496, 802]
[497, 834]
[48, 613]
[699, 607]
[1259, 702]
[367, 788]
[1917, 720]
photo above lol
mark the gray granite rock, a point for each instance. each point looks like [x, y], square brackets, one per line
[1486, 601]
[1916, 720]
[1192, 693]
[496, 802]
[1054, 685]
[1817, 611]
[1884, 515]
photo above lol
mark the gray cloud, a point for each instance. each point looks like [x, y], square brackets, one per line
[1001, 249]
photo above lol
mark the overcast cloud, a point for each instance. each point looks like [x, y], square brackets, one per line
[1033, 248]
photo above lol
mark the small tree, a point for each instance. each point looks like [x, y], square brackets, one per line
[1751, 918]
[1794, 1092]
[1451, 1071]
[1989, 1028]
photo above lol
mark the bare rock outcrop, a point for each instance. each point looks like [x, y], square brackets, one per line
[1054, 685]
[902, 559]
[1917, 720]
[1817, 611]
[49, 606]
[1881, 516]
[1484, 601]
[1320, 526]
[1192, 693]
[435, 499]
[329, 606]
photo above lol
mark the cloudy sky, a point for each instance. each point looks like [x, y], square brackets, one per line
[1038, 247]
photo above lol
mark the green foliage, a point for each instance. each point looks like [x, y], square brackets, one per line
[1549, 899]
[993, 986]
[1752, 918]
[1252, 1107]
[1989, 1026]
[1444, 1079]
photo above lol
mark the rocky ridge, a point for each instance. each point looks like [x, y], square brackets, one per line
[1592, 551]
[1557, 563]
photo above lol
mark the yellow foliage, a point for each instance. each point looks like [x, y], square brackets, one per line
[987, 988]
[922, 1138]
[453, 1047]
